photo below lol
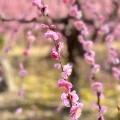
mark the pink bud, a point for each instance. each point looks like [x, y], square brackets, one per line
[53, 27]
[55, 55]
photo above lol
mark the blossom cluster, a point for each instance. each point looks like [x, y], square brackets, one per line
[69, 98]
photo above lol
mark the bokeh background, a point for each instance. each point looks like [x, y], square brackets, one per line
[42, 97]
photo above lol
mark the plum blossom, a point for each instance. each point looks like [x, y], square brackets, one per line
[64, 85]
[54, 55]
[38, 4]
[95, 68]
[69, 99]
[18, 111]
[87, 45]
[57, 66]
[75, 111]
[97, 87]
[74, 12]
[116, 73]
[51, 35]
[22, 71]
[31, 38]
[79, 25]
[89, 57]
[67, 70]
[68, 1]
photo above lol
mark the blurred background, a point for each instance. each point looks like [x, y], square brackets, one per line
[36, 96]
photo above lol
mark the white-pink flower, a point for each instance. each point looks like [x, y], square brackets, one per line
[97, 87]
[89, 57]
[38, 4]
[57, 66]
[75, 111]
[95, 68]
[51, 35]
[79, 25]
[74, 12]
[67, 70]
[22, 72]
[64, 85]
[87, 45]
[69, 99]
[31, 38]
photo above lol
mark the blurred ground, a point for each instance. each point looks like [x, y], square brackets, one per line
[42, 97]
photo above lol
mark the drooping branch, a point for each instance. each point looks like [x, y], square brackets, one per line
[22, 20]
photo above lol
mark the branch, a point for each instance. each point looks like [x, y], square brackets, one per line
[3, 19]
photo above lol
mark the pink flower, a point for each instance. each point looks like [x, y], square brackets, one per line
[89, 57]
[18, 111]
[81, 39]
[68, 1]
[87, 45]
[44, 26]
[64, 85]
[74, 12]
[22, 71]
[116, 73]
[57, 66]
[67, 70]
[53, 27]
[79, 25]
[95, 68]
[69, 99]
[31, 38]
[52, 35]
[38, 4]
[55, 55]
[75, 111]
[59, 46]
[97, 87]
[21, 93]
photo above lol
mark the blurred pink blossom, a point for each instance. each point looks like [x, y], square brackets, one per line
[75, 111]
[64, 85]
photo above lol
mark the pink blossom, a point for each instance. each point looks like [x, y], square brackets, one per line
[81, 39]
[22, 71]
[73, 12]
[59, 46]
[18, 111]
[64, 85]
[97, 87]
[38, 4]
[109, 38]
[67, 70]
[87, 45]
[31, 38]
[26, 52]
[75, 111]
[53, 27]
[89, 57]
[52, 35]
[95, 68]
[54, 55]
[70, 98]
[21, 93]
[57, 66]
[68, 1]
[79, 25]
[44, 26]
